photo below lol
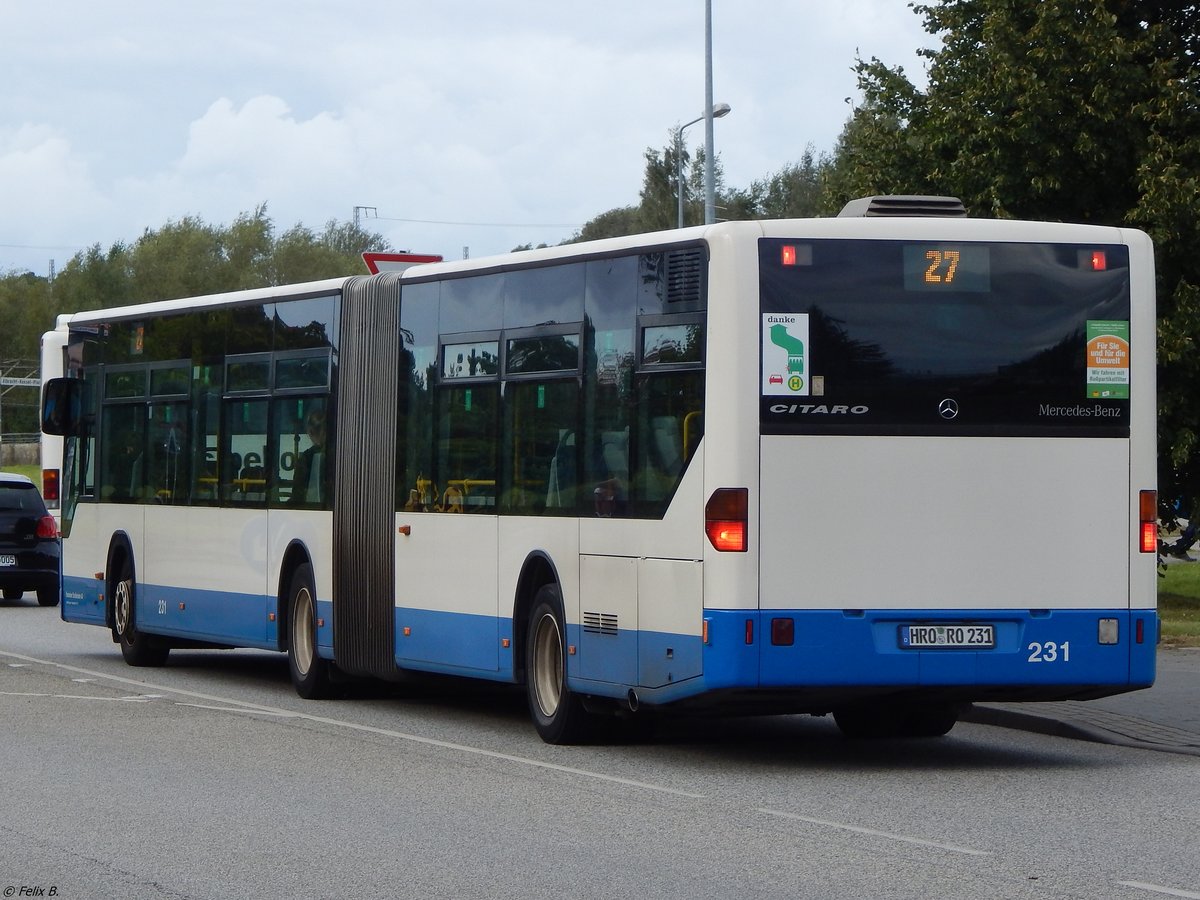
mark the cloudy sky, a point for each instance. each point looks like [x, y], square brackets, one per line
[465, 124]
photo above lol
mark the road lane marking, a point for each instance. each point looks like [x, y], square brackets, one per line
[140, 698]
[283, 714]
[366, 729]
[906, 838]
[1159, 889]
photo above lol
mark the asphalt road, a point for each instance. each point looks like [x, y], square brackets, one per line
[209, 778]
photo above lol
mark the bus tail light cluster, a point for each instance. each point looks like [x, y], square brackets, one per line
[1148, 514]
[50, 487]
[726, 519]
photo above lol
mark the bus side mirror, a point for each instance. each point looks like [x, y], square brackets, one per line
[62, 407]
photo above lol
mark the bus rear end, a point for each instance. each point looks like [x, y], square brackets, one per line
[957, 462]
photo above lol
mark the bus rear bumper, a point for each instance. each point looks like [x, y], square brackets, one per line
[1053, 654]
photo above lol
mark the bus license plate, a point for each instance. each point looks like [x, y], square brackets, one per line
[7, 560]
[937, 637]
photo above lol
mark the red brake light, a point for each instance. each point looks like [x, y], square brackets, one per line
[47, 527]
[725, 519]
[50, 485]
[788, 255]
[1148, 516]
[1099, 261]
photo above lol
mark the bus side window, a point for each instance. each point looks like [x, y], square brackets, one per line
[168, 456]
[670, 426]
[124, 445]
[303, 453]
[244, 479]
[206, 442]
[540, 466]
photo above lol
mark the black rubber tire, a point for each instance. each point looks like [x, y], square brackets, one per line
[934, 720]
[48, 596]
[873, 722]
[137, 648]
[557, 712]
[867, 722]
[310, 672]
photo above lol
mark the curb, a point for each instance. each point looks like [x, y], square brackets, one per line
[1122, 731]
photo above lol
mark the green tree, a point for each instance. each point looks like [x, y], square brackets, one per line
[658, 202]
[301, 255]
[25, 310]
[192, 257]
[93, 279]
[1058, 110]
[659, 209]
[614, 223]
[794, 192]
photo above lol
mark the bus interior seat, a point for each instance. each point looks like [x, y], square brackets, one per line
[560, 485]
[452, 499]
[667, 444]
[615, 450]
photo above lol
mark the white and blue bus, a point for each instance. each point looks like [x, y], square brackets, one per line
[880, 465]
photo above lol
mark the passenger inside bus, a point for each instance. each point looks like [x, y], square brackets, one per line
[308, 476]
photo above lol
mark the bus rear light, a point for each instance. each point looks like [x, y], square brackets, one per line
[1140, 631]
[783, 632]
[726, 519]
[749, 631]
[1148, 514]
[1099, 261]
[1149, 537]
[50, 486]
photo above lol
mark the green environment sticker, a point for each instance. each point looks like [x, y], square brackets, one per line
[1107, 359]
[784, 349]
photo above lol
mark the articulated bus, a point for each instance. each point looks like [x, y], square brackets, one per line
[879, 466]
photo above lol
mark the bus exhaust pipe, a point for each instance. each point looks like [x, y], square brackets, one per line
[633, 700]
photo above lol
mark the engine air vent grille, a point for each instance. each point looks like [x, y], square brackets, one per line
[600, 623]
[685, 275]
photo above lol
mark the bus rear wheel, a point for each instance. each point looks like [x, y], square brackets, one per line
[310, 672]
[880, 721]
[137, 648]
[558, 713]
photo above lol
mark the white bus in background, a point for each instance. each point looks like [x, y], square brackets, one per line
[51, 450]
[880, 466]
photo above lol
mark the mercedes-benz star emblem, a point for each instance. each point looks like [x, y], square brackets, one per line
[948, 408]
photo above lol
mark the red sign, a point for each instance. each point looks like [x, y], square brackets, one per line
[396, 262]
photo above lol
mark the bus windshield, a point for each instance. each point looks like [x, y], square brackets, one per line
[897, 337]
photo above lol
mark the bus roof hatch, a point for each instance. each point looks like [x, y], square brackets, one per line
[904, 205]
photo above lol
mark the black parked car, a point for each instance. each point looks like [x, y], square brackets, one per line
[30, 554]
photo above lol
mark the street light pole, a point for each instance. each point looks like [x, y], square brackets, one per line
[714, 112]
[679, 165]
[710, 188]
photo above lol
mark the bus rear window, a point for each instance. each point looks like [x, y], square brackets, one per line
[940, 338]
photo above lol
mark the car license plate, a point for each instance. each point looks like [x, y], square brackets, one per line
[8, 560]
[972, 636]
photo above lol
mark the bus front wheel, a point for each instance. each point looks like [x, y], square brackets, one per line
[310, 672]
[138, 649]
[557, 712]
